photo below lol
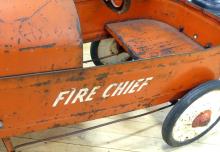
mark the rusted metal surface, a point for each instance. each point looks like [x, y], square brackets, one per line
[180, 14]
[149, 38]
[37, 36]
[30, 99]
[44, 35]
[202, 119]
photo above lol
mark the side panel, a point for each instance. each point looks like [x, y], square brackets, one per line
[35, 102]
[39, 35]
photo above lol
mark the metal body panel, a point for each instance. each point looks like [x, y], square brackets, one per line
[179, 14]
[28, 101]
[37, 101]
[146, 38]
[37, 36]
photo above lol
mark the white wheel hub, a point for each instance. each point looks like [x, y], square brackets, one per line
[198, 117]
[107, 48]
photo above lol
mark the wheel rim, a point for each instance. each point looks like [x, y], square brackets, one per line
[117, 3]
[198, 117]
[109, 47]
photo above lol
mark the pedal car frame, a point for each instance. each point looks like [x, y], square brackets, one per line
[47, 93]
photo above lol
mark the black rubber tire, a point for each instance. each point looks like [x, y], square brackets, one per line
[180, 107]
[94, 53]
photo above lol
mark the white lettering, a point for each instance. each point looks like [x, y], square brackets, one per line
[106, 93]
[60, 97]
[120, 88]
[129, 87]
[80, 95]
[70, 96]
[114, 89]
[146, 82]
[92, 93]
[135, 86]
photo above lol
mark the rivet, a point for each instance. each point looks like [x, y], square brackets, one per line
[208, 45]
[195, 36]
[1, 124]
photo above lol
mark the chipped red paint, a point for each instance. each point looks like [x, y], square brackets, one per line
[41, 56]
[35, 39]
[202, 119]
[179, 14]
[35, 94]
[162, 40]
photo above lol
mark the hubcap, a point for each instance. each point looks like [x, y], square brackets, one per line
[202, 119]
[198, 117]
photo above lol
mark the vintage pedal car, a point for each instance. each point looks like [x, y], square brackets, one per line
[147, 53]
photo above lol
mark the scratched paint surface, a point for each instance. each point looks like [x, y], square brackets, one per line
[28, 100]
[177, 13]
[146, 38]
[37, 36]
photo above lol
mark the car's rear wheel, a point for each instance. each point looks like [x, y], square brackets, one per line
[107, 51]
[193, 116]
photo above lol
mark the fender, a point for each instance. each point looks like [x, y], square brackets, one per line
[39, 36]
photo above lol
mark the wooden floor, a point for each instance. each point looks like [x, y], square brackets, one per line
[138, 135]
